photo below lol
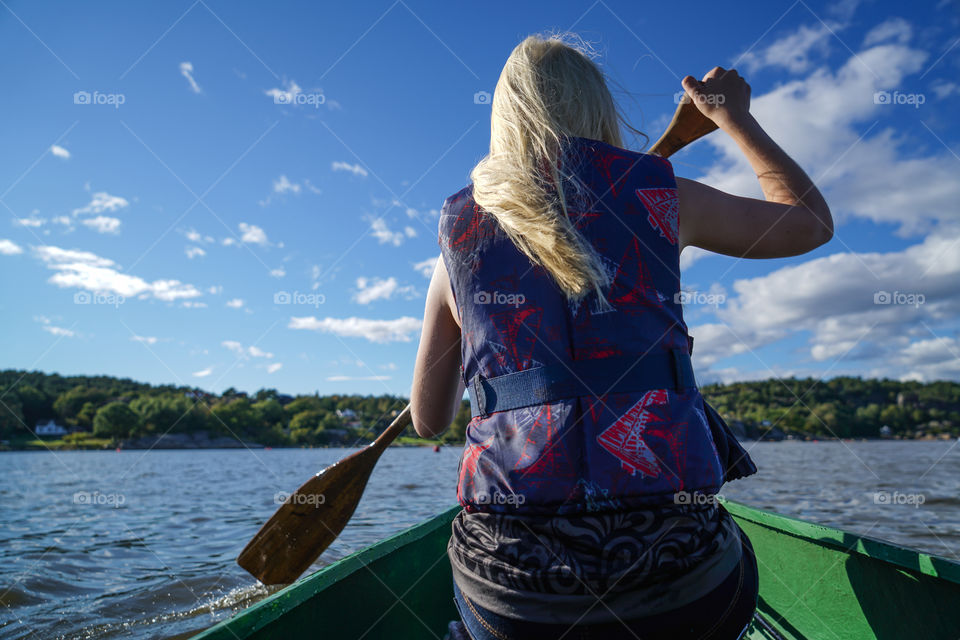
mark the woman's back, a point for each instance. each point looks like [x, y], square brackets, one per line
[614, 438]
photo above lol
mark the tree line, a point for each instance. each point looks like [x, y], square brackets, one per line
[118, 409]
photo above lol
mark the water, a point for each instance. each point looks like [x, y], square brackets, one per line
[143, 544]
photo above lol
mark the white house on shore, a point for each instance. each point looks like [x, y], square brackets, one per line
[50, 428]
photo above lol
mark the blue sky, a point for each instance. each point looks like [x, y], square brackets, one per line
[223, 194]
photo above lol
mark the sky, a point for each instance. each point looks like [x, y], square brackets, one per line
[222, 194]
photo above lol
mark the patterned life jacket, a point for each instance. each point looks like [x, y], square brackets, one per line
[587, 453]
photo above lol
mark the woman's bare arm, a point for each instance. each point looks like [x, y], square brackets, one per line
[792, 220]
[437, 387]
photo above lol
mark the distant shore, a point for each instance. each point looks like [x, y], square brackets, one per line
[185, 441]
[182, 442]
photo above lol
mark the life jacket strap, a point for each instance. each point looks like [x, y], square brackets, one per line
[595, 377]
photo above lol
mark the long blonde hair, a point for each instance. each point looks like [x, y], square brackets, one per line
[549, 89]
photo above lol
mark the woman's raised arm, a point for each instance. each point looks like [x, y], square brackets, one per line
[793, 219]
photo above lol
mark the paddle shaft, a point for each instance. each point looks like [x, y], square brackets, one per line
[307, 523]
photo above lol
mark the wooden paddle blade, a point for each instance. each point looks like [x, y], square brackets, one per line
[309, 521]
[687, 125]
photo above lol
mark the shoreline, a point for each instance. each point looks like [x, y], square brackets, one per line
[224, 443]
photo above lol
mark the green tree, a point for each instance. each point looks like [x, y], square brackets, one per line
[115, 420]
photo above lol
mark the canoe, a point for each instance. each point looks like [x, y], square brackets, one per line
[816, 583]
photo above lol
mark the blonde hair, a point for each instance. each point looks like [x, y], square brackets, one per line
[549, 89]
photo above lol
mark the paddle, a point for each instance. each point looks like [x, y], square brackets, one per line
[315, 514]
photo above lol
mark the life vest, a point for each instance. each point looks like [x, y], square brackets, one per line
[586, 444]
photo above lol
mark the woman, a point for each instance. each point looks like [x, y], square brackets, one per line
[590, 468]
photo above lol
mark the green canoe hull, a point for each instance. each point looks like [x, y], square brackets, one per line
[815, 583]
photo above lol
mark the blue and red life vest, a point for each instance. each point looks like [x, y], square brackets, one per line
[598, 446]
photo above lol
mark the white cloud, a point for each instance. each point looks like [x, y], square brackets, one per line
[871, 307]
[252, 234]
[46, 325]
[285, 96]
[283, 185]
[410, 232]
[195, 252]
[397, 330]
[102, 202]
[383, 234]
[103, 224]
[9, 247]
[203, 373]
[274, 367]
[426, 267]
[896, 29]
[32, 221]
[279, 272]
[792, 52]
[186, 70]
[246, 352]
[369, 290]
[60, 152]
[197, 238]
[145, 339]
[826, 122]
[85, 270]
[355, 169]
[236, 303]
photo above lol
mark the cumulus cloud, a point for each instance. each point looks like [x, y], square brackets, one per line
[279, 272]
[878, 309]
[829, 123]
[47, 325]
[397, 330]
[355, 169]
[186, 70]
[274, 367]
[195, 252]
[60, 152]
[370, 289]
[145, 339]
[426, 267]
[85, 270]
[793, 52]
[203, 373]
[283, 185]
[235, 303]
[9, 247]
[103, 224]
[245, 352]
[252, 234]
[383, 234]
[102, 202]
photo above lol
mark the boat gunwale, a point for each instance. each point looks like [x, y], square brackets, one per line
[266, 611]
[301, 591]
[904, 557]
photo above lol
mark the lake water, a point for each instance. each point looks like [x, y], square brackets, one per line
[143, 544]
